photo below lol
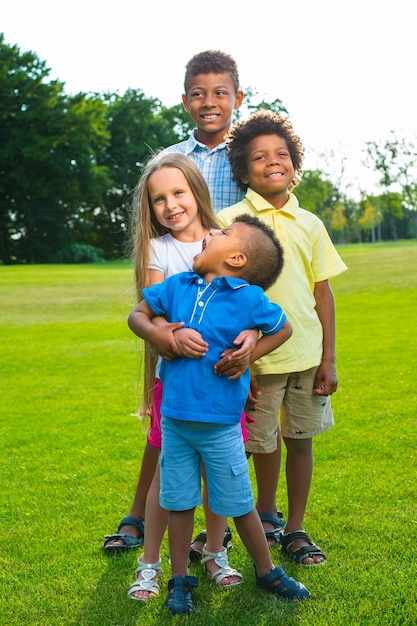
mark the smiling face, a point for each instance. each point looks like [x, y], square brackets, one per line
[221, 253]
[174, 203]
[210, 100]
[270, 170]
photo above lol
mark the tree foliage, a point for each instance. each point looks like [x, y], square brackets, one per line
[396, 161]
[48, 159]
[69, 164]
[138, 127]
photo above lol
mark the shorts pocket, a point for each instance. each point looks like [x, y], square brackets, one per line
[241, 488]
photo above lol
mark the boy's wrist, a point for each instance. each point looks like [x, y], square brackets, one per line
[328, 359]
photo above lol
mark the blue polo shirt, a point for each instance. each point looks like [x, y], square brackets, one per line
[219, 310]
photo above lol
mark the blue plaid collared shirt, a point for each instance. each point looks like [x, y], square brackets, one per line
[215, 167]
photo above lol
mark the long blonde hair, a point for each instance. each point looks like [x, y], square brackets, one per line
[145, 226]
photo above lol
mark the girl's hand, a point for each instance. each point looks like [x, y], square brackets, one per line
[163, 339]
[190, 343]
[235, 361]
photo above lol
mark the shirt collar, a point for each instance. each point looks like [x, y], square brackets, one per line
[193, 143]
[230, 281]
[291, 207]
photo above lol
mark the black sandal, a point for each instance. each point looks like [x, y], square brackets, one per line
[128, 541]
[298, 555]
[277, 521]
[180, 589]
[287, 587]
[195, 556]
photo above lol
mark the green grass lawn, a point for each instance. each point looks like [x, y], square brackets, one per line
[71, 448]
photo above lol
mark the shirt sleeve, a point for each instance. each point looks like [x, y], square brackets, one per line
[156, 297]
[326, 260]
[158, 258]
[267, 316]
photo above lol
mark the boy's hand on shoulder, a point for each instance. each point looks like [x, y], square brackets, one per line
[190, 343]
[325, 382]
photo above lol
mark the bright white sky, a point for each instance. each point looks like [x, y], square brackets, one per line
[345, 71]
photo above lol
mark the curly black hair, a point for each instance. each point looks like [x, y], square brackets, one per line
[264, 253]
[211, 61]
[262, 123]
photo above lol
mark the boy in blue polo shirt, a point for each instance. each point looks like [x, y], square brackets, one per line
[201, 410]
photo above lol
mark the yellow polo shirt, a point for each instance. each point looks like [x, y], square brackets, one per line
[309, 257]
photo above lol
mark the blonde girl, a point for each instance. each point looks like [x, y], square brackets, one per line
[173, 214]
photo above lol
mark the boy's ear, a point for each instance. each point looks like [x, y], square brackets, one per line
[185, 102]
[239, 99]
[236, 259]
[245, 180]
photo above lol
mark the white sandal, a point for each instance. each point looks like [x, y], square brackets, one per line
[148, 572]
[224, 571]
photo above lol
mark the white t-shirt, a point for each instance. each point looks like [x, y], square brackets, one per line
[170, 256]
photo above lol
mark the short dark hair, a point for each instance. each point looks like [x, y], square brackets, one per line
[262, 123]
[211, 61]
[264, 253]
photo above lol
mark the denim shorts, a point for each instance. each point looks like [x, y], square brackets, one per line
[220, 447]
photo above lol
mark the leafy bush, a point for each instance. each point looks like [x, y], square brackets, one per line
[80, 253]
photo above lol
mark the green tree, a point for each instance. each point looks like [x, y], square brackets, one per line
[406, 162]
[316, 194]
[370, 218]
[339, 221]
[319, 195]
[48, 159]
[389, 159]
[138, 127]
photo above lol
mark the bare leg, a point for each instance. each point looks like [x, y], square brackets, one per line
[250, 529]
[299, 470]
[156, 519]
[215, 529]
[251, 532]
[199, 545]
[216, 525]
[146, 476]
[267, 468]
[147, 471]
[180, 530]
[267, 474]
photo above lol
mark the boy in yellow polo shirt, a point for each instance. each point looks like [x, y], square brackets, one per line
[297, 379]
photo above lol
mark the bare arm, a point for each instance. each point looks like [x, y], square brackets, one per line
[267, 343]
[326, 378]
[187, 342]
[140, 321]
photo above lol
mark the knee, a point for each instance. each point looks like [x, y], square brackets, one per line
[300, 447]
